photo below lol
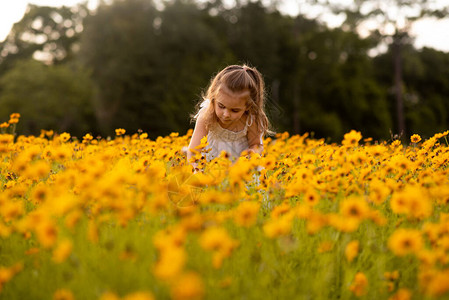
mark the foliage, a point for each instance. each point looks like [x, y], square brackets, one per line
[394, 20]
[425, 86]
[46, 33]
[54, 97]
[149, 68]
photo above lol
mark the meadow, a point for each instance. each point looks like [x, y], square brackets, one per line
[127, 218]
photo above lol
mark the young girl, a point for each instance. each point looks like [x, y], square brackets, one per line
[231, 114]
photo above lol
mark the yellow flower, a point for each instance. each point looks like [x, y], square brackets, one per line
[87, 138]
[47, 232]
[280, 210]
[401, 294]
[203, 144]
[325, 246]
[188, 286]
[278, 227]
[352, 138]
[378, 191]
[109, 296]
[72, 218]
[170, 238]
[11, 210]
[216, 239]
[315, 222]
[63, 294]
[352, 250]
[64, 137]
[415, 138]
[6, 274]
[246, 213]
[434, 283]
[60, 154]
[38, 170]
[412, 201]
[170, 263]
[405, 241]
[354, 208]
[92, 232]
[311, 197]
[13, 121]
[120, 131]
[14, 116]
[62, 251]
[141, 295]
[359, 285]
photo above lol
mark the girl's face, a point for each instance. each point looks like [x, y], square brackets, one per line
[229, 106]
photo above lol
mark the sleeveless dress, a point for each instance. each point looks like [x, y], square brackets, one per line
[220, 139]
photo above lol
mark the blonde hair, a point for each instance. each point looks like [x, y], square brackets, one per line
[237, 78]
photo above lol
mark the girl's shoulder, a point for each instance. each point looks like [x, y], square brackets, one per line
[203, 106]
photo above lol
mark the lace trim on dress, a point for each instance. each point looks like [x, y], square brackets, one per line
[226, 134]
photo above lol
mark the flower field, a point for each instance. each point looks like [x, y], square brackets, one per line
[126, 218]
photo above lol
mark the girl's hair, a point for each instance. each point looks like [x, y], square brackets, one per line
[237, 78]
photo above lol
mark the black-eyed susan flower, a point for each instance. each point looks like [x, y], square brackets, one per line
[405, 241]
[47, 232]
[216, 239]
[120, 131]
[278, 227]
[87, 138]
[415, 138]
[434, 283]
[412, 201]
[352, 138]
[354, 208]
[246, 213]
[64, 137]
[311, 197]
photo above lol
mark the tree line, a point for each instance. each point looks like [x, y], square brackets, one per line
[140, 64]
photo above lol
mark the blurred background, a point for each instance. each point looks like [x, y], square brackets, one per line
[143, 64]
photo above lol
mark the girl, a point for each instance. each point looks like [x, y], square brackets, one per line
[231, 114]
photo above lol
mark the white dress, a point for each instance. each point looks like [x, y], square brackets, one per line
[220, 139]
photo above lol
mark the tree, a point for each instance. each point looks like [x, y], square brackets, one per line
[426, 88]
[45, 33]
[149, 66]
[339, 91]
[47, 97]
[393, 21]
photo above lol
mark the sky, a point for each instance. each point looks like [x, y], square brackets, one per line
[427, 33]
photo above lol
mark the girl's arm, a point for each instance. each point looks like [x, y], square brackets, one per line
[255, 139]
[198, 133]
